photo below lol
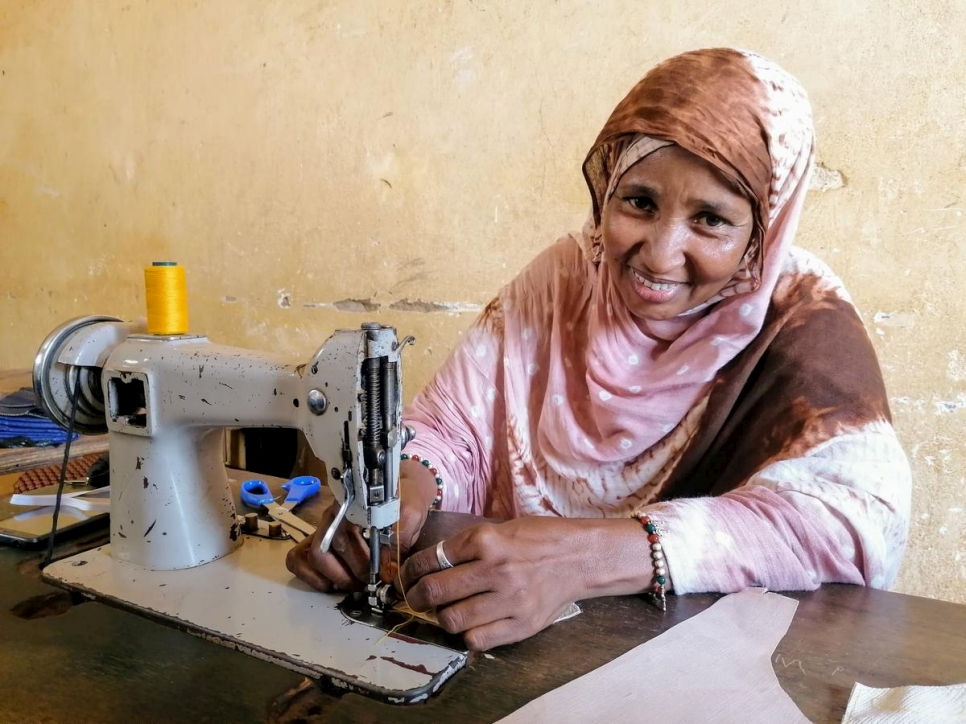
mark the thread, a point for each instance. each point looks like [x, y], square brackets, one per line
[411, 615]
[166, 293]
[399, 626]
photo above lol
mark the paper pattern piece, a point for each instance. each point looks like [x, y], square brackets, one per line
[714, 667]
[906, 705]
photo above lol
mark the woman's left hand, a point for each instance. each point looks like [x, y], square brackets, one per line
[510, 580]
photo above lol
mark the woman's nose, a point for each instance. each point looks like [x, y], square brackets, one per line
[663, 245]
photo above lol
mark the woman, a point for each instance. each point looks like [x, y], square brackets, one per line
[677, 364]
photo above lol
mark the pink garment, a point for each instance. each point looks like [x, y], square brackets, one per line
[835, 511]
[558, 401]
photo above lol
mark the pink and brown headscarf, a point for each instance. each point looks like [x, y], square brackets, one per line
[738, 111]
[750, 120]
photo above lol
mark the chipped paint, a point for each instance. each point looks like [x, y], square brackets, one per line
[332, 648]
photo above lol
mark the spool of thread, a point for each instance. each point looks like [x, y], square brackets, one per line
[166, 292]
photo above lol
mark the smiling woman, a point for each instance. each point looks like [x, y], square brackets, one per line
[673, 399]
[675, 232]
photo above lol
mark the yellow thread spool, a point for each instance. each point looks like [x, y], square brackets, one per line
[166, 292]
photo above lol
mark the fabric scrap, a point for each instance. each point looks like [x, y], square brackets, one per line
[906, 705]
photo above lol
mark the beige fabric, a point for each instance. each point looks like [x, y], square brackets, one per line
[714, 667]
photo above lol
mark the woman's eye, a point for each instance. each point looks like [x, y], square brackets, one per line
[644, 203]
[713, 219]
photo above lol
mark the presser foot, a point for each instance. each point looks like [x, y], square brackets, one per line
[398, 624]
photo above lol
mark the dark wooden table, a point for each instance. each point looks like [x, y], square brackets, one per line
[15, 460]
[61, 660]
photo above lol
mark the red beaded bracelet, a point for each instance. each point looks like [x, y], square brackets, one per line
[438, 500]
[658, 589]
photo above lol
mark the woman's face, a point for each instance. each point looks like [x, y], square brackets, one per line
[674, 233]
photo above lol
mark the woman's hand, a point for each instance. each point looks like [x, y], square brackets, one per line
[345, 566]
[510, 580]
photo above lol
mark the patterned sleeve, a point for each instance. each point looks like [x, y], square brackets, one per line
[455, 415]
[838, 514]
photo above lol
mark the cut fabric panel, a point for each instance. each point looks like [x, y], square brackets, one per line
[714, 667]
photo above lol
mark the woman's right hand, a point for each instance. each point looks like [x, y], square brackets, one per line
[345, 566]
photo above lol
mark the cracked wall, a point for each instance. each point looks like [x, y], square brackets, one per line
[318, 164]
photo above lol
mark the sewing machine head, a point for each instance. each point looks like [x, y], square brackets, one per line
[164, 401]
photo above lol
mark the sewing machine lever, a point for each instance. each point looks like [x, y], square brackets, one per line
[348, 497]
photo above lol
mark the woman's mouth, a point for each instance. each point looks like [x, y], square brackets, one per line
[651, 290]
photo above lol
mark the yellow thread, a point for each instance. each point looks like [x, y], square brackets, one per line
[166, 293]
[412, 612]
[412, 617]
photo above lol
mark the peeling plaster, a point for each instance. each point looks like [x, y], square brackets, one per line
[956, 369]
[356, 305]
[825, 179]
[418, 305]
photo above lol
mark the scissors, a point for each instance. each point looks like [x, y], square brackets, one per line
[255, 494]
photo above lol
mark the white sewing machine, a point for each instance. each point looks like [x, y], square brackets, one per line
[176, 550]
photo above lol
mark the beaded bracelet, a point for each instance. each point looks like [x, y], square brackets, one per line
[657, 559]
[438, 500]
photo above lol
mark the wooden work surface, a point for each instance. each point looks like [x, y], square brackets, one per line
[15, 460]
[91, 663]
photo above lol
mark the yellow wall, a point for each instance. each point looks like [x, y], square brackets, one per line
[296, 155]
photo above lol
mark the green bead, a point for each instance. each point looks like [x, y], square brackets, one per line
[425, 462]
[650, 528]
[661, 580]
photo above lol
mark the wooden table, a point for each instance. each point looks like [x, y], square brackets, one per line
[91, 663]
[15, 460]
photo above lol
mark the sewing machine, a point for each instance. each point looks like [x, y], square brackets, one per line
[176, 544]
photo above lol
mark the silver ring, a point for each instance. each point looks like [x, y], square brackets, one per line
[441, 557]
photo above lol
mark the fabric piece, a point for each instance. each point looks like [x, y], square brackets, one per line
[906, 705]
[714, 667]
[24, 424]
[38, 432]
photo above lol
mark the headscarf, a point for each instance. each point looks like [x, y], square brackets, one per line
[750, 120]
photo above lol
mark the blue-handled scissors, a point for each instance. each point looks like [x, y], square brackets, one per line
[255, 494]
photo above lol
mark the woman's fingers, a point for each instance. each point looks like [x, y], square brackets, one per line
[490, 620]
[455, 584]
[298, 564]
[425, 562]
[496, 633]
[342, 568]
[348, 547]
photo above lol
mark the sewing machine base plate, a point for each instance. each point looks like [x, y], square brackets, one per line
[249, 601]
